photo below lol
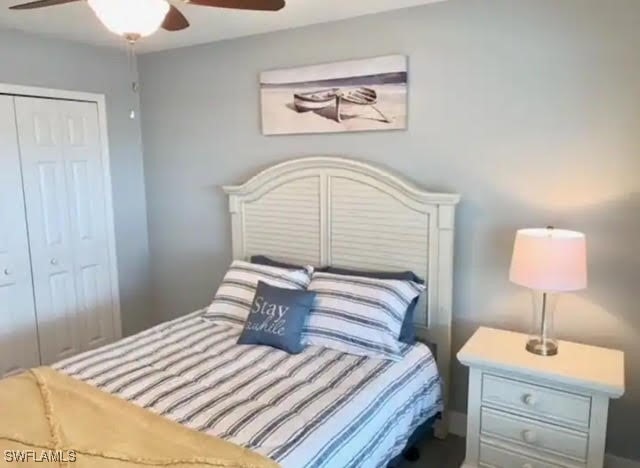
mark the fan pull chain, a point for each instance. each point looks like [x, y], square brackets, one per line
[135, 86]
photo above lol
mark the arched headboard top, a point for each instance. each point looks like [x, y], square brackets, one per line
[297, 168]
[346, 213]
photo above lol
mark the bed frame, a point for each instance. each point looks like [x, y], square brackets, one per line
[345, 213]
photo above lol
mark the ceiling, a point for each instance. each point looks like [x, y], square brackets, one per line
[76, 21]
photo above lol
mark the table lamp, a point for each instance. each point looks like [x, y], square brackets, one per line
[548, 261]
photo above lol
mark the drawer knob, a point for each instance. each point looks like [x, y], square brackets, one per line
[54, 261]
[529, 400]
[7, 272]
[529, 437]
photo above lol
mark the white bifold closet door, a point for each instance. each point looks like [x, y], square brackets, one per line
[62, 174]
[18, 329]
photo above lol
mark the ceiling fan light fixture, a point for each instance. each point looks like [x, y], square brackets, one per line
[131, 18]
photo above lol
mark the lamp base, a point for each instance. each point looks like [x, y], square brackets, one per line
[542, 347]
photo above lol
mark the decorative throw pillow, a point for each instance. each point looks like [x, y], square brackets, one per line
[359, 315]
[277, 317]
[408, 330]
[235, 295]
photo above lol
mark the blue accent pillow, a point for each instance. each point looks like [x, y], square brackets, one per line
[277, 317]
[408, 330]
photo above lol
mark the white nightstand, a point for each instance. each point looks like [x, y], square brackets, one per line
[529, 411]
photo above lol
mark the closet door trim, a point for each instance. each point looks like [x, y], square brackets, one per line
[99, 100]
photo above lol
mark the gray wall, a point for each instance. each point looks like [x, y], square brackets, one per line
[38, 61]
[529, 108]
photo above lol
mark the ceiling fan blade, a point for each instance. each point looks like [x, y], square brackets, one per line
[260, 5]
[41, 4]
[175, 21]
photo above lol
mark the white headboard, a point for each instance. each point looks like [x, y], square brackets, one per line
[341, 212]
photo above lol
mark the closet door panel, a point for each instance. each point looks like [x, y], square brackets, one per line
[88, 225]
[18, 330]
[44, 177]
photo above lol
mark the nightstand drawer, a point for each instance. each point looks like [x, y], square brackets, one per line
[494, 457]
[533, 434]
[541, 402]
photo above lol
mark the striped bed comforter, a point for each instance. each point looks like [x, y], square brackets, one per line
[315, 409]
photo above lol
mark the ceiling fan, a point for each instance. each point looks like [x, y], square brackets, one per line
[134, 19]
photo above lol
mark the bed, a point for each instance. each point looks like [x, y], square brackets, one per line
[318, 408]
[321, 407]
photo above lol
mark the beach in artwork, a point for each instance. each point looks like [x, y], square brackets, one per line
[370, 94]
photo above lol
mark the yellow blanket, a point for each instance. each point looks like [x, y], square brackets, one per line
[46, 416]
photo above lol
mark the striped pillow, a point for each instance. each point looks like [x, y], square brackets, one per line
[235, 295]
[359, 315]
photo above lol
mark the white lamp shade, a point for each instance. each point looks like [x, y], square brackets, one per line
[131, 17]
[550, 260]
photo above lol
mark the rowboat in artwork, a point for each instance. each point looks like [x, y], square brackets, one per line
[320, 99]
[315, 100]
[361, 97]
